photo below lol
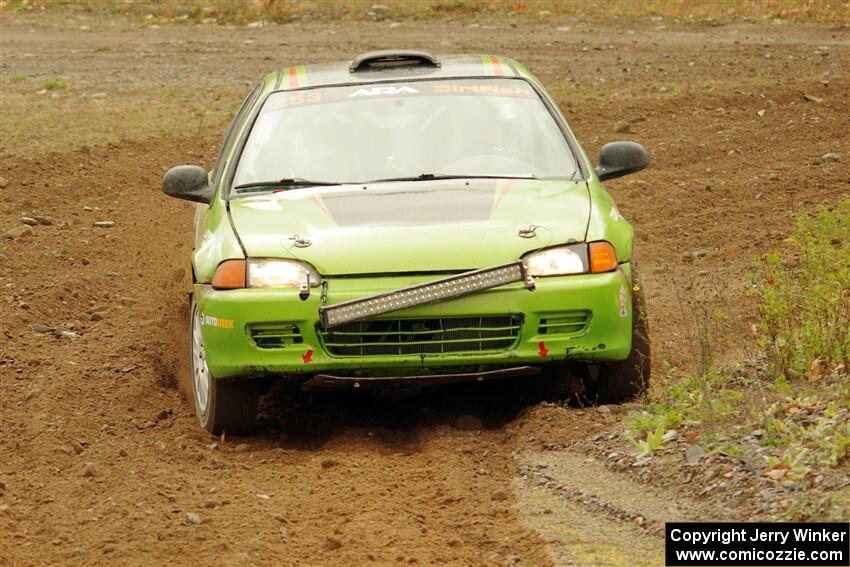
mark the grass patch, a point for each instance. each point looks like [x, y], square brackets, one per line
[54, 85]
[18, 77]
[284, 11]
[653, 441]
[788, 410]
[34, 124]
[705, 401]
[804, 298]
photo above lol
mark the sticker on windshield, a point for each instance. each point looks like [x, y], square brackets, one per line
[291, 99]
[496, 87]
[482, 89]
[390, 90]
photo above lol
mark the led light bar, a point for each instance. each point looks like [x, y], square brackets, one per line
[421, 294]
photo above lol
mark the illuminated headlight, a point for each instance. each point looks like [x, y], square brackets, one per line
[280, 273]
[560, 261]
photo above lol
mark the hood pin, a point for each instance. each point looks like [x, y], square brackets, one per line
[300, 242]
[529, 232]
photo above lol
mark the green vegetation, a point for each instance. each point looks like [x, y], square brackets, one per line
[284, 11]
[695, 400]
[793, 401]
[19, 77]
[653, 442]
[52, 85]
[804, 298]
[32, 123]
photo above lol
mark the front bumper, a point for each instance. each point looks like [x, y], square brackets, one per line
[230, 316]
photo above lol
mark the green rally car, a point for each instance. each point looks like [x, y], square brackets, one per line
[407, 217]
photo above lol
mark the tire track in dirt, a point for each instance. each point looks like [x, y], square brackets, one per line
[346, 478]
[102, 461]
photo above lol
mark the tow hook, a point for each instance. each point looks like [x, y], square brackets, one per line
[304, 291]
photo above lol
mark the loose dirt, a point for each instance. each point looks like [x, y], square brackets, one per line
[101, 459]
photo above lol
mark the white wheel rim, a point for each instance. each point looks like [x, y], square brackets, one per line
[200, 371]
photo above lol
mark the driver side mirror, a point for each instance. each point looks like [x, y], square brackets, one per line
[188, 182]
[621, 158]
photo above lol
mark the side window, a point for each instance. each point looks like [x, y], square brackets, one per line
[233, 131]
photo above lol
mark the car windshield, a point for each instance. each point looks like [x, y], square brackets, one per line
[367, 133]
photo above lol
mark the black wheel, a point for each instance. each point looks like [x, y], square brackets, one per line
[616, 382]
[221, 405]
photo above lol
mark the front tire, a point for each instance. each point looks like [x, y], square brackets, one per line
[221, 405]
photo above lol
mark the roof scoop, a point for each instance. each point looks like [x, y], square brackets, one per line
[390, 58]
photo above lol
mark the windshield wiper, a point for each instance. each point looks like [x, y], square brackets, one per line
[432, 176]
[286, 182]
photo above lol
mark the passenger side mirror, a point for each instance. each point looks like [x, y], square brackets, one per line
[188, 182]
[620, 158]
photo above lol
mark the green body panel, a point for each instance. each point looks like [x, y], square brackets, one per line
[230, 313]
[606, 223]
[388, 236]
[214, 240]
[427, 226]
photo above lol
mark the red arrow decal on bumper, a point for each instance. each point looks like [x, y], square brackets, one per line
[307, 356]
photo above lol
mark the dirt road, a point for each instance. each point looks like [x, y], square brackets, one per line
[101, 459]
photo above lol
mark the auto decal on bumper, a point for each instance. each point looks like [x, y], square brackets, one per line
[624, 311]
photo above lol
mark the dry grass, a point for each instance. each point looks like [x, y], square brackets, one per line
[243, 12]
[795, 391]
[60, 120]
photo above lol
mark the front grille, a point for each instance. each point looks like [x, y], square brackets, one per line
[564, 324]
[275, 335]
[439, 335]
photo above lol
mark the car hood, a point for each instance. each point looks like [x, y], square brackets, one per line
[422, 226]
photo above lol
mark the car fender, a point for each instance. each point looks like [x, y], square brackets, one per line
[215, 241]
[606, 222]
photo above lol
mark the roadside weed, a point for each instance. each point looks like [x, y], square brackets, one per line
[791, 465]
[817, 506]
[804, 298]
[786, 408]
[652, 443]
[51, 85]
